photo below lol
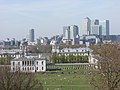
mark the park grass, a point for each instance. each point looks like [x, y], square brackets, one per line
[64, 81]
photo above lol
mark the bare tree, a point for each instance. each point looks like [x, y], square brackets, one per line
[18, 81]
[107, 76]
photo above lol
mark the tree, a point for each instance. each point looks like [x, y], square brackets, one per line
[107, 76]
[62, 58]
[18, 81]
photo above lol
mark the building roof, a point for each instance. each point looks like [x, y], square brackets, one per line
[12, 51]
[75, 50]
[28, 58]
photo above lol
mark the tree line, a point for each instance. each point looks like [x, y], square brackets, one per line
[55, 58]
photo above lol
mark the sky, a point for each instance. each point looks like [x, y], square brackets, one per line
[48, 17]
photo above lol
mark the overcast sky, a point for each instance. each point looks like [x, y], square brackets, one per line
[48, 17]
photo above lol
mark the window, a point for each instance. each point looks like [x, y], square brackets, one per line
[13, 63]
[23, 63]
[37, 68]
[32, 62]
[42, 62]
[42, 68]
[13, 69]
[27, 62]
[37, 62]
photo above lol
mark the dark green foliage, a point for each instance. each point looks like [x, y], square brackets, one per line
[5, 60]
[55, 58]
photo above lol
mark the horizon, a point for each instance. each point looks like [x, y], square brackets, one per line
[48, 17]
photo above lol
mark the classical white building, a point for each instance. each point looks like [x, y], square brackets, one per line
[11, 53]
[85, 51]
[76, 51]
[28, 64]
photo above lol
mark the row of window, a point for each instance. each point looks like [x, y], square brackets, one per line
[27, 68]
[76, 54]
[26, 63]
[8, 55]
[41, 63]
[74, 51]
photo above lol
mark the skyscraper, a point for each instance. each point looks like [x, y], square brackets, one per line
[31, 35]
[86, 26]
[74, 34]
[71, 34]
[96, 29]
[105, 27]
[66, 32]
[66, 35]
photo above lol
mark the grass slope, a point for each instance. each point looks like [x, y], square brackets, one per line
[64, 81]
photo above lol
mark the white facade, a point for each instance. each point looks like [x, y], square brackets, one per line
[31, 35]
[31, 64]
[105, 27]
[76, 51]
[86, 26]
[12, 53]
[71, 34]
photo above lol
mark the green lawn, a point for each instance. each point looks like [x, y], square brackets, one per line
[64, 81]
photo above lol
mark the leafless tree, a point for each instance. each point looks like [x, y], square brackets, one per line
[107, 76]
[18, 81]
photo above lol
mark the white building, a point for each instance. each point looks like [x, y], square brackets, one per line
[31, 35]
[71, 35]
[105, 27]
[11, 53]
[86, 26]
[76, 51]
[28, 64]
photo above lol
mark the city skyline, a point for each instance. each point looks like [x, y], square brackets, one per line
[49, 16]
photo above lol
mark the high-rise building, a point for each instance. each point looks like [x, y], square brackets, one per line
[74, 34]
[66, 32]
[95, 27]
[66, 35]
[86, 26]
[71, 34]
[105, 27]
[31, 35]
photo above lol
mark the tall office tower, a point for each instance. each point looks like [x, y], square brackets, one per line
[31, 35]
[96, 29]
[66, 35]
[86, 26]
[66, 30]
[74, 34]
[105, 27]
